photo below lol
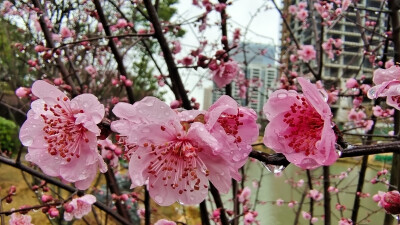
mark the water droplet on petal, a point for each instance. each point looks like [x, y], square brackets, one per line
[324, 95]
[274, 168]
[371, 93]
[282, 95]
[149, 102]
[158, 199]
[27, 140]
[339, 152]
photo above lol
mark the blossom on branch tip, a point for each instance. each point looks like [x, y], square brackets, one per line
[225, 73]
[164, 222]
[387, 85]
[79, 207]
[176, 151]
[61, 134]
[300, 126]
[20, 219]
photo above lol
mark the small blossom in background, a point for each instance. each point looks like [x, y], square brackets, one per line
[387, 85]
[20, 219]
[225, 73]
[61, 134]
[244, 196]
[79, 207]
[307, 53]
[300, 126]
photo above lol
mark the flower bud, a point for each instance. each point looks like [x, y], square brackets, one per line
[391, 202]
[53, 212]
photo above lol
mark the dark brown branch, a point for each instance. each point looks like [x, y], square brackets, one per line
[169, 59]
[327, 197]
[50, 44]
[204, 213]
[279, 159]
[103, 37]
[114, 49]
[219, 204]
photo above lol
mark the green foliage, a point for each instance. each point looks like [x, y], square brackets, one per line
[8, 135]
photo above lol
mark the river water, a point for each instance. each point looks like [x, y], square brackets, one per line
[344, 176]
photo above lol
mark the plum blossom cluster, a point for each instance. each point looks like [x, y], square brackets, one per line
[300, 126]
[186, 149]
[358, 118]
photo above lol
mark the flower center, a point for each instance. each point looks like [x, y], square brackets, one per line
[305, 127]
[62, 134]
[177, 163]
[231, 124]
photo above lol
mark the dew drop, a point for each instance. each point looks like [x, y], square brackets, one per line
[282, 95]
[371, 93]
[338, 152]
[158, 199]
[149, 102]
[395, 216]
[27, 140]
[274, 168]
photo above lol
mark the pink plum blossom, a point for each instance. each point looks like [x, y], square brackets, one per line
[316, 195]
[390, 201]
[300, 126]
[61, 134]
[233, 126]
[307, 53]
[306, 215]
[110, 151]
[245, 195]
[292, 9]
[387, 85]
[351, 83]
[225, 73]
[164, 222]
[65, 32]
[20, 219]
[345, 221]
[279, 202]
[80, 207]
[22, 92]
[302, 14]
[176, 153]
[91, 70]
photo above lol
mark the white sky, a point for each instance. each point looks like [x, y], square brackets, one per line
[264, 28]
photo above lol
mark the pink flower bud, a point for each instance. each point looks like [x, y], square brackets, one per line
[47, 198]
[68, 208]
[128, 83]
[53, 212]
[124, 197]
[58, 81]
[22, 92]
[391, 202]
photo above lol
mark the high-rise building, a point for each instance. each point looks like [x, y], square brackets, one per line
[258, 63]
[353, 30]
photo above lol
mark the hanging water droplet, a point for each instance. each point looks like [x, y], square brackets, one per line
[371, 93]
[324, 95]
[395, 216]
[27, 140]
[274, 168]
[339, 152]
